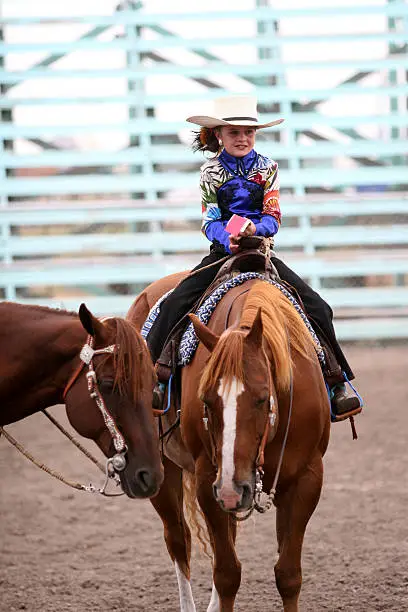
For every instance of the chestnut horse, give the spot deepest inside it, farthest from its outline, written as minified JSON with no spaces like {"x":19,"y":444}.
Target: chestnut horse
{"x":46,"y":358}
{"x":253,"y":402}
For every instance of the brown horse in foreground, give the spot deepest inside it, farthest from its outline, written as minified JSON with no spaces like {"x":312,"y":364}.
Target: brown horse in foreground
{"x":255,"y":360}
{"x":41,"y":364}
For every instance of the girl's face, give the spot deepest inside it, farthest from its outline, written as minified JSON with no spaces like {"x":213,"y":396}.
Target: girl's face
{"x":237,"y":140}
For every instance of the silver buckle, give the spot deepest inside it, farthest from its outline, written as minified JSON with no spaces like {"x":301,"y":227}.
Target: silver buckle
{"x":86,"y":354}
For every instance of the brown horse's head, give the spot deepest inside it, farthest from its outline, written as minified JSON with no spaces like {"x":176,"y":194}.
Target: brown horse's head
{"x":248,"y":367}
{"x":125,"y":379}
{"x":237,"y":392}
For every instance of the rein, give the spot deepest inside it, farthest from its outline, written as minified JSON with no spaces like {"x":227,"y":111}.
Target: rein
{"x":74,"y":485}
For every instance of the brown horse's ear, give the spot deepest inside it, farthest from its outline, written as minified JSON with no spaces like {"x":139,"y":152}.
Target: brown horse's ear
{"x":89,"y":322}
{"x":204,"y":334}
{"x":255,"y":333}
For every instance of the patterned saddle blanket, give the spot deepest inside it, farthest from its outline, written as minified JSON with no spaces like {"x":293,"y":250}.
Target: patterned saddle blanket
{"x":189,"y":340}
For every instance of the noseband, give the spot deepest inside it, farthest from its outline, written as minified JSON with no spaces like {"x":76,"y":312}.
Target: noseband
{"x":118,"y":461}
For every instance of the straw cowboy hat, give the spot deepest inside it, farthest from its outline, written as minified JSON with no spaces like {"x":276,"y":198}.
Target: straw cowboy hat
{"x":233,"y":110}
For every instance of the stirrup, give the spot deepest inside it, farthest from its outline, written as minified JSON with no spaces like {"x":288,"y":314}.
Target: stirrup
{"x":354,"y":409}
{"x":337,"y":418}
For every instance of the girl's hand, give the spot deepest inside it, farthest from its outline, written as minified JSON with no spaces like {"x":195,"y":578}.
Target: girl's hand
{"x":234,"y":243}
{"x":249,"y":230}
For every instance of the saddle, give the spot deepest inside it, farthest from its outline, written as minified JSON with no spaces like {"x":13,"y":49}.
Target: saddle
{"x":254,"y":256}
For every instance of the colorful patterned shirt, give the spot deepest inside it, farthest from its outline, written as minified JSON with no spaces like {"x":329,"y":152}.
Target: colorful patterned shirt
{"x":247,"y":186}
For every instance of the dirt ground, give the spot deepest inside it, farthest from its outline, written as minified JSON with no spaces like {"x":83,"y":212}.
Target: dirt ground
{"x":67,"y":550}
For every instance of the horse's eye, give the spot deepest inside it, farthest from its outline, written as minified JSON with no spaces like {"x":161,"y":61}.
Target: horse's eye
{"x":261,"y":401}
{"x":106,"y":385}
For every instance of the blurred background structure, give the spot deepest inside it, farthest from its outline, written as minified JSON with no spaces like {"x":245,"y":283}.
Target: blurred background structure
{"x":99,"y":189}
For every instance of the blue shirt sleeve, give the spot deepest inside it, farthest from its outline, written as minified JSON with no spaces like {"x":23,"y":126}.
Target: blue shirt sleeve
{"x":215,"y":232}
{"x":267,"y":226}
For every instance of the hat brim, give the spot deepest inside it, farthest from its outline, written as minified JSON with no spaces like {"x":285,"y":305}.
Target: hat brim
{"x":213,"y":122}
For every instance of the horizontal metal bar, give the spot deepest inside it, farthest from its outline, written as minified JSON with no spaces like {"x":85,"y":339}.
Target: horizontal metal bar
{"x":59,"y":213}
{"x":138,"y":242}
{"x":120,"y":183}
{"x":216,"y":67}
{"x":104,"y":211}
{"x":264,"y":68}
{"x":172,"y":154}
{"x":264,"y":94}
{"x":359,"y":298}
{"x":142,"y":45}
{"x":379,"y":329}
{"x":366,"y":297}
{"x":140,"y":18}
{"x":102,"y":184}
{"x":91,"y":271}
{"x":385,"y":328}
{"x":190,"y":241}
{"x":100,"y":270}
{"x":298,"y":121}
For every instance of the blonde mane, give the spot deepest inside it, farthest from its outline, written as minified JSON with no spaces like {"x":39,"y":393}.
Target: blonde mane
{"x":280,"y":323}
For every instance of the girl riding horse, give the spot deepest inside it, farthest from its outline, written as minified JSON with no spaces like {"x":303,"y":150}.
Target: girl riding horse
{"x":238,"y":180}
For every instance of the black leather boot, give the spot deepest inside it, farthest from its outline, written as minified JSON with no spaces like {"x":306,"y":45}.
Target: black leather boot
{"x":158,"y":396}
{"x":343,"y":402}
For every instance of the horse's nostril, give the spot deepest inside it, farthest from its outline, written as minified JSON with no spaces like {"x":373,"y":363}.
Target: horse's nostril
{"x":215,"y":491}
{"x":145,"y":479}
{"x":246,"y":492}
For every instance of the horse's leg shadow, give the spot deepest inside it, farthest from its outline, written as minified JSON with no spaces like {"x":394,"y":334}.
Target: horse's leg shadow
{"x":169,"y":505}
{"x":222,"y":531}
{"x":294,"y":507}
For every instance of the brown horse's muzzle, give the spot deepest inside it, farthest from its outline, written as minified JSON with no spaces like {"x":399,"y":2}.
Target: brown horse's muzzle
{"x":237,"y":497}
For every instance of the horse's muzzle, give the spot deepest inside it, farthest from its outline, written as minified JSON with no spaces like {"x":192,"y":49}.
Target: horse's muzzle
{"x":143,"y":483}
{"x":237,"y":497}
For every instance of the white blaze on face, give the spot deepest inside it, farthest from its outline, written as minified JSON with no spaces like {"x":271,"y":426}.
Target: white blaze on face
{"x":229,"y":398}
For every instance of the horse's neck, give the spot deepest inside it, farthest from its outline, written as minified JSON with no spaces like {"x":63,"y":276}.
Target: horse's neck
{"x":37,"y":357}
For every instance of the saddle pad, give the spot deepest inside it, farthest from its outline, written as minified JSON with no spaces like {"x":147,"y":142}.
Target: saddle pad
{"x":153,"y":314}
{"x":189,"y":340}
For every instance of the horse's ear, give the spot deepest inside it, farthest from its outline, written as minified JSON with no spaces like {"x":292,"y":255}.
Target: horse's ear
{"x":255,"y":333}
{"x":89,"y":322}
{"x":204,"y":334}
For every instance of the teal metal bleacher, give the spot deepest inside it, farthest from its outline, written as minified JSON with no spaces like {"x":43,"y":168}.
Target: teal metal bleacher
{"x":96,"y":224}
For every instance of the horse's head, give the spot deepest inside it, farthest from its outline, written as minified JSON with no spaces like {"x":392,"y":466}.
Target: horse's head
{"x":239,"y":398}
{"x":112,"y":403}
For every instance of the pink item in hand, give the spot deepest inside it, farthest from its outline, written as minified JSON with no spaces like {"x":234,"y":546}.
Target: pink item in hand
{"x":237,"y":224}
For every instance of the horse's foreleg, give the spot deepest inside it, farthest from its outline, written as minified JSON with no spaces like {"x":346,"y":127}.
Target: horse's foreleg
{"x":294,"y":508}
{"x":169,"y":505}
{"x":222,"y":532}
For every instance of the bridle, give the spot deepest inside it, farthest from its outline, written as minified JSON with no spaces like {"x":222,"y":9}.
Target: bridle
{"x":118,"y":461}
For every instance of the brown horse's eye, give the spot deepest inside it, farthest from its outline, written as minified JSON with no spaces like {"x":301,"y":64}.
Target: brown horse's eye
{"x":261,"y":401}
{"x":106,"y":385}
